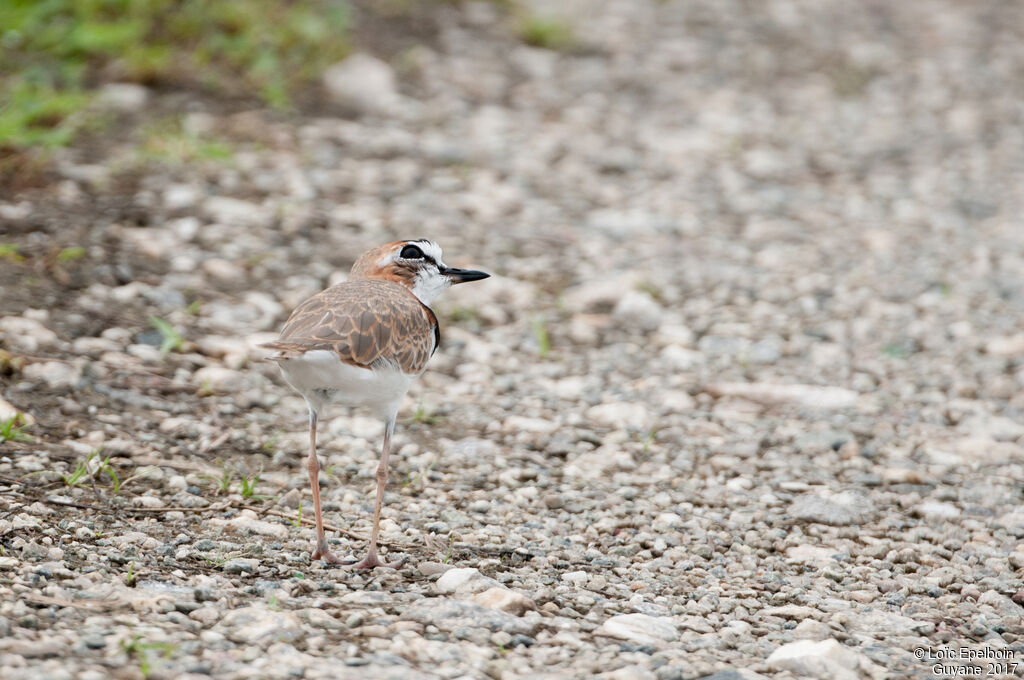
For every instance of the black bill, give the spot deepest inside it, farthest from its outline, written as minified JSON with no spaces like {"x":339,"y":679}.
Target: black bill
{"x":463,"y":275}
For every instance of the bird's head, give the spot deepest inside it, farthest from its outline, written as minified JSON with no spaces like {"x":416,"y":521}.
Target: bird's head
{"x":415,"y":264}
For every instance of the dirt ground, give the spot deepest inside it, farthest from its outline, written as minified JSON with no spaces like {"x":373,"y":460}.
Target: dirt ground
{"x":742,"y":399}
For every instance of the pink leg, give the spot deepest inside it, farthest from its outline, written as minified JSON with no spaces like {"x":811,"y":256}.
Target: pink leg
{"x":371,"y":561}
{"x":313,"y":465}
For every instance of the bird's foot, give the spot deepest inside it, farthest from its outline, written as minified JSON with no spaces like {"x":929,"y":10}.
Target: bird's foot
{"x":371,"y":561}
{"x":321,"y":552}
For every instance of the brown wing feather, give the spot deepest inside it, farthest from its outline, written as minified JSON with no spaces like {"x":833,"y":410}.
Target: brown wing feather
{"x":366,"y":322}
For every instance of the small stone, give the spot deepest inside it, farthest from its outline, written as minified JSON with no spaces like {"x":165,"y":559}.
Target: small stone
{"x":505,"y":600}
{"x":577,"y":578}
{"x":431,"y":568}
{"x":206,"y":615}
{"x":839,"y":509}
{"x":56,"y":374}
{"x":638,"y":311}
{"x":1006,"y":346}
{"x":464,"y":581}
{"x":123,"y":97}
{"x":639,"y":628}
{"x":735,"y":674}
{"x":734,"y":632}
{"x":241,"y":565}
{"x":791,"y":611}
{"x":809,"y":554}
{"x":937,"y":511}
{"x":809,"y":629}
{"x":631,"y":672}
{"x":23,"y":334}
{"x":178,"y":196}
{"x":827,"y":660}
{"x":448,"y":614}
{"x":667,"y":521}
{"x":620,"y":415}
{"x":362,"y":83}
{"x":292,"y":499}
{"x":770,"y":394}
{"x":8,"y":411}
{"x":257,"y":625}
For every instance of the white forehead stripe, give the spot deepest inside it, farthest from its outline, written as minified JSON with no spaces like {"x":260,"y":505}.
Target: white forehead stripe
{"x":430,"y":248}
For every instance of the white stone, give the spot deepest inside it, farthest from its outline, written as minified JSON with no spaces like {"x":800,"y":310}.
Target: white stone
{"x":505,"y":600}
{"x":809,"y":629}
{"x":638,"y":310}
{"x":770,"y":394}
{"x":123,"y":97}
{"x":247,"y":523}
{"x":223,"y":270}
{"x":466,"y":580}
{"x":809,"y":554}
{"x":639,"y":628}
{"x":56,"y":374}
{"x":840,"y":509}
{"x":827,"y":660}
{"x":8,"y":411}
{"x":178,"y":196}
{"x":257,"y":625}
{"x":734,"y":632}
{"x":937,"y":511}
{"x":1006,"y":346}
{"x":667,"y":521}
{"x":23,"y":334}
{"x":620,"y":415}
{"x":632,"y":672}
{"x":364,"y":84}
{"x":524,"y":424}
{"x":971,"y":450}
{"x":599,"y":462}
{"x":680,"y":358}
{"x":577,"y":578}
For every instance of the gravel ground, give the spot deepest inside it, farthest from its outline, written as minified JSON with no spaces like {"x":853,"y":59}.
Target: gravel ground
{"x":742,"y":400}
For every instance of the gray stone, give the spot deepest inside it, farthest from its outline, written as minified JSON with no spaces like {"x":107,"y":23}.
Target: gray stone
{"x":448,"y":614}
{"x":840,"y":509}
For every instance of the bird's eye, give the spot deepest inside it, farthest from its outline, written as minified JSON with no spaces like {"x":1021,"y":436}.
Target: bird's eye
{"x":412,"y":253}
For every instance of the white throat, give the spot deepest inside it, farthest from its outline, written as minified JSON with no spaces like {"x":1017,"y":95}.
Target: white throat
{"x":430,"y":284}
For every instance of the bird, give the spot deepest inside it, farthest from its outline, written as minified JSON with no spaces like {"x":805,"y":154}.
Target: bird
{"x":363,"y":343}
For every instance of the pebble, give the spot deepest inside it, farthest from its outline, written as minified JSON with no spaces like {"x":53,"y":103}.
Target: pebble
{"x":448,"y":614}
{"x":362,"y":83}
{"x":24,"y":334}
{"x":123,"y":97}
{"x":464,"y":581}
{"x":257,"y":625}
{"x":825,"y":659}
{"x":807,"y":396}
{"x":639,"y":628}
{"x":840,"y":509}
{"x":505,"y":600}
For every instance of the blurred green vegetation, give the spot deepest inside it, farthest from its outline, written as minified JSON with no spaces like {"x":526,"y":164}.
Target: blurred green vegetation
{"x":548,"y":32}
{"x":170,"y":141}
{"x":54,"y":54}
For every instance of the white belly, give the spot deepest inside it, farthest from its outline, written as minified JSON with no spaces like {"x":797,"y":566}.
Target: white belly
{"x":322,"y":378}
